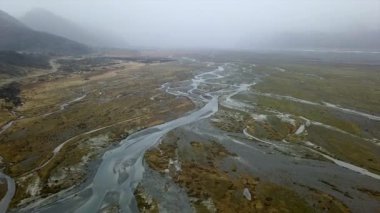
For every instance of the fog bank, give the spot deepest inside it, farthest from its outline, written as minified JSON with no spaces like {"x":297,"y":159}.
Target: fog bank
{"x":223,"y":23}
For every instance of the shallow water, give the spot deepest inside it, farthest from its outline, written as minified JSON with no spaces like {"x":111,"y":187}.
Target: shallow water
{"x":11,"y":189}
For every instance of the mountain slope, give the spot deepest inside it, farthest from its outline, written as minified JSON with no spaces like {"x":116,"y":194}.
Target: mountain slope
{"x":16,"y":36}
{"x":46,"y":21}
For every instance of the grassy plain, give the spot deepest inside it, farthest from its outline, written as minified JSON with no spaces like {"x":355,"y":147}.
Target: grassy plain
{"x":349,"y":86}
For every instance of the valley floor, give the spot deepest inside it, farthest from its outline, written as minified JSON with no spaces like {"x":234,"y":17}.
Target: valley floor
{"x":195,"y":133}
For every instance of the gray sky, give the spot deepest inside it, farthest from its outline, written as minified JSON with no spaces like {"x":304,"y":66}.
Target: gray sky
{"x":208,"y":23}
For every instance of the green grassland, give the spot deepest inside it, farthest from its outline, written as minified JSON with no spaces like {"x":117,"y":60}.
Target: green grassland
{"x":355,"y":87}
{"x":315,"y":113}
{"x":347,"y":148}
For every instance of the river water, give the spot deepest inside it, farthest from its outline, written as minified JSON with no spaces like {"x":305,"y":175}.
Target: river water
{"x":4,"y":202}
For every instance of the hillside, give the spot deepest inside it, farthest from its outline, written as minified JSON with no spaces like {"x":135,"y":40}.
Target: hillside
{"x":46,"y":21}
{"x":13,"y":63}
{"x":16,"y":36}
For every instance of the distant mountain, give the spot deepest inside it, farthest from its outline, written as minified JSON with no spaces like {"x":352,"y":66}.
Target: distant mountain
{"x":14,"y":35}
{"x":46,"y":21}
{"x":360,"y":39}
{"x":355,"y":39}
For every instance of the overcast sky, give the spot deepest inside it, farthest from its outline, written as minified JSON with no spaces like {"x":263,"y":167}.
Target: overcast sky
{"x":208,"y":23}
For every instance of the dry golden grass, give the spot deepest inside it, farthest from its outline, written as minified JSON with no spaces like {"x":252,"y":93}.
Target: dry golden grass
{"x":118,"y":102}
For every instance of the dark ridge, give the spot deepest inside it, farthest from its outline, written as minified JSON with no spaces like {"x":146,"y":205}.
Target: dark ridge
{"x":10,"y":93}
{"x":24,"y":60}
{"x":14,"y":63}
